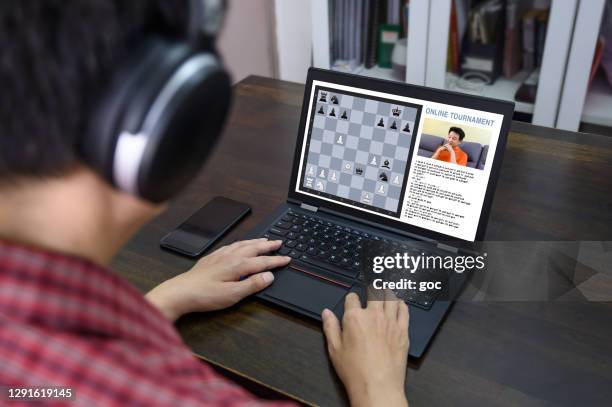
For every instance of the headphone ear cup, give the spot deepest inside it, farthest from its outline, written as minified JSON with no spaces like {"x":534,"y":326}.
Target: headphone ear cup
{"x":97,"y":147}
{"x":183,"y":126}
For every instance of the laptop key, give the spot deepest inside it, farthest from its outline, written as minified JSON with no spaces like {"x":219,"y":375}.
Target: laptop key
{"x":277,"y":231}
{"x":301,"y":247}
{"x":282,"y":225}
{"x":284,"y":251}
{"x":290,"y":243}
{"x":327,"y":266}
{"x":294,"y":254}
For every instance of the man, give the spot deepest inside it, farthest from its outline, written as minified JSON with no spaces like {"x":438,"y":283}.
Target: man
{"x":65,"y":319}
{"x":450,"y":151}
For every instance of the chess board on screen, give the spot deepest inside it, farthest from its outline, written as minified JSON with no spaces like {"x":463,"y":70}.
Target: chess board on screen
{"x":358,"y":149}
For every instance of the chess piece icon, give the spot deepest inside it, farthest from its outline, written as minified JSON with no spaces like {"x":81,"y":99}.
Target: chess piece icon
{"x":359,"y":170}
{"x":311,"y":171}
{"x":320,"y":186}
{"x":393,"y":126}
{"x":308,"y":182}
{"x":322,"y":173}
{"x":386,"y":165}
{"x":381,"y":123}
{"x":382,"y":177}
{"x":381,"y":189}
{"x":334,"y":176}
{"x":396,"y":180}
{"x":334,"y":100}
{"x":396,"y":111}
{"x":333,"y":112}
{"x":344,"y":116}
{"x":347,"y":166}
{"x":373,"y":162}
{"x":321,"y":111}
{"x":340,"y":141}
{"x":407,"y":128}
{"x":323,"y":97}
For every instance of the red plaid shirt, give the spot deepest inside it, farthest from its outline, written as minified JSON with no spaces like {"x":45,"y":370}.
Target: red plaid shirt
{"x":65,"y":321}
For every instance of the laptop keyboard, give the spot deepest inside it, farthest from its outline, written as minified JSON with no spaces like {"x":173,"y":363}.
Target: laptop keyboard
{"x":321,"y":243}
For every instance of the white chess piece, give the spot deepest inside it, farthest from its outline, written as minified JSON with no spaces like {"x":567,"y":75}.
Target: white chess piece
{"x":340,"y":140}
{"x":347,"y":166}
{"x":396,"y":180}
{"x":311,"y":171}
{"x":381,"y":189}
{"x":373,"y":162}
{"x":320,"y":185}
{"x":334,"y":177}
{"x":322,"y":173}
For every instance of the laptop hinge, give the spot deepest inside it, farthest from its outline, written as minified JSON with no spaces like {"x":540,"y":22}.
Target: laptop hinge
{"x":447,"y":248}
{"x":308,"y":207}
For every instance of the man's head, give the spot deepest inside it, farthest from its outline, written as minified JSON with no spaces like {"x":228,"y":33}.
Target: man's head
{"x":455,"y":136}
{"x":57,"y":59}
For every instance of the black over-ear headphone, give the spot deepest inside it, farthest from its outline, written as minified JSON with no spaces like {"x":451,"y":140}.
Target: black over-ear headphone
{"x":163,"y":112}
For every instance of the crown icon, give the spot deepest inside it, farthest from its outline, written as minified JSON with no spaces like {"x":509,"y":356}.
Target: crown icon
{"x":323,"y":93}
{"x":396,"y":112}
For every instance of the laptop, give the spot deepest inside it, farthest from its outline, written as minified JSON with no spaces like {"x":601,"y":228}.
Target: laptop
{"x":372,"y":165}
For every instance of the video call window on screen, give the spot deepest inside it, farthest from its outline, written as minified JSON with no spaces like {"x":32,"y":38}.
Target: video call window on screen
{"x":358,"y":149}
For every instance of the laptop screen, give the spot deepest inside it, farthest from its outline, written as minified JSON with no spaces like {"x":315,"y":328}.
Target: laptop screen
{"x":419,"y":162}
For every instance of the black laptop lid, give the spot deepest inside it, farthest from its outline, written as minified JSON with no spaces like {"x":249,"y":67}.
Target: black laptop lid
{"x":419,"y":160}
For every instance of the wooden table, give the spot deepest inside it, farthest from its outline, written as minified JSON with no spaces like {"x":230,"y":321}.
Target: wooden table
{"x":554,"y":185}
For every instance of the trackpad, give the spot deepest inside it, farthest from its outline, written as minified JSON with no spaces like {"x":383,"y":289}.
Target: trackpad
{"x":306,"y":292}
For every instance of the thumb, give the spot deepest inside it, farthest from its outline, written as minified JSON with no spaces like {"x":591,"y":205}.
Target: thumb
{"x":331,"y":328}
{"x":254,"y":283}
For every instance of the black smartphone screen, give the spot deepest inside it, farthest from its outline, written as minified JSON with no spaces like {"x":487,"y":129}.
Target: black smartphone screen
{"x":206,"y":226}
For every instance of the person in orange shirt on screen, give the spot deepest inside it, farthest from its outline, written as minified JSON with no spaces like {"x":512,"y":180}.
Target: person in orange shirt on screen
{"x":450,"y":151}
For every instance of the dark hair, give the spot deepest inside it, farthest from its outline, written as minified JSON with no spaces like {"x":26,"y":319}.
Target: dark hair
{"x":459,"y":131}
{"x":56,"y":58}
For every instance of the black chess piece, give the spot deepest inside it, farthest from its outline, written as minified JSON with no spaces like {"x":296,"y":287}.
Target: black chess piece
{"x":382,"y":177}
{"x":381,"y":123}
{"x":344,"y":116}
{"x":393,"y":125}
{"x":407,"y":128}
{"x":321,"y":110}
{"x":323,"y":97}
{"x":334,"y":100}
{"x":359,"y":171}
{"x":333,"y":113}
{"x":385,"y":164}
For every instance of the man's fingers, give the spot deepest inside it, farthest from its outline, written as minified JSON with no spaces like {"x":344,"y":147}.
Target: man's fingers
{"x":236,"y":245}
{"x":403,"y":315}
{"x":253,"y":284}
{"x":253,"y":265}
{"x":391,"y":305}
{"x":331,"y":328}
{"x":256,"y":247}
{"x":351,"y":301}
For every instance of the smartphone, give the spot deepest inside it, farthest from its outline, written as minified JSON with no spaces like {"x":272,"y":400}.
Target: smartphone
{"x":194,"y":236}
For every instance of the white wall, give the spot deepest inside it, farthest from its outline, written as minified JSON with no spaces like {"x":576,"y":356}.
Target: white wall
{"x":247,"y":41}
{"x":293,"y":38}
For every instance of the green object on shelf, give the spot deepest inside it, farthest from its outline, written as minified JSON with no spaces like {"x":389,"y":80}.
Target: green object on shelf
{"x":388,"y":34}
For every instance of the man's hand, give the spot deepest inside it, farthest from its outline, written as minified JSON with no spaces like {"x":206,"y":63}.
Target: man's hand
{"x":214,"y":282}
{"x":370,"y":351}
{"x":448,"y":147}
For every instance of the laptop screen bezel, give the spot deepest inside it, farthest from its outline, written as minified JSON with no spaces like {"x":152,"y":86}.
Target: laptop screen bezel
{"x":504,"y":108}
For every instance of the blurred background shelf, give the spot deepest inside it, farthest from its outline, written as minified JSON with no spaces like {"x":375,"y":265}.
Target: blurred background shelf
{"x":502,"y":89}
{"x":563,"y":97}
{"x":598,"y":103}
